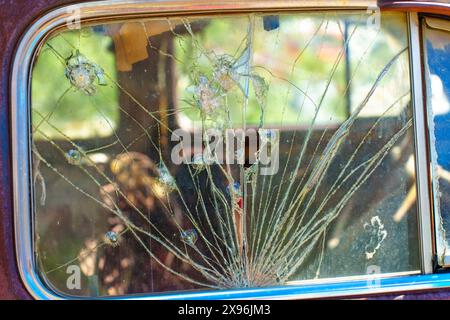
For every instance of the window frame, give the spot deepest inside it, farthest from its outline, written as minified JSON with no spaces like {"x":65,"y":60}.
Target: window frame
{"x":114,"y":9}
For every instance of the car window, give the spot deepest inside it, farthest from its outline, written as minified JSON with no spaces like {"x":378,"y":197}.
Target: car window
{"x":223,"y":151}
{"x":436,"y":42}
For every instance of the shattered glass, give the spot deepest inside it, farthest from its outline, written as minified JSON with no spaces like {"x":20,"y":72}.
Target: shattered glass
{"x":437,"y":58}
{"x":320,"y":185}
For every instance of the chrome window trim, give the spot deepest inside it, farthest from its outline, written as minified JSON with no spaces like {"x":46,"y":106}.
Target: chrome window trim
{"x":420,"y":130}
{"x":20,"y":118}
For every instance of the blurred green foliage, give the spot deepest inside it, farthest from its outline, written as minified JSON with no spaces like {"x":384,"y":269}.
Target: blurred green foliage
{"x":273,"y":55}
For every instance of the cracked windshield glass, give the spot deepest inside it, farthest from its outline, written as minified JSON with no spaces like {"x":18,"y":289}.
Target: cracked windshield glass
{"x":217,"y":152}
